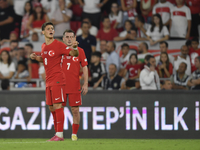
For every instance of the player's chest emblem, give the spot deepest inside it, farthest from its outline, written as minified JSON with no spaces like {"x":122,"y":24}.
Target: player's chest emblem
{"x":75,"y":59}
{"x":51,"y":53}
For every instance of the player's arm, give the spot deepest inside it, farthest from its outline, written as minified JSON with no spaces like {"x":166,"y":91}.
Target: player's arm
{"x":84,"y":89}
{"x":33,"y":56}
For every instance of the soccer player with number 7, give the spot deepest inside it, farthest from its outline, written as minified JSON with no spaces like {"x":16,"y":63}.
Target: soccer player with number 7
{"x":51,"y":55}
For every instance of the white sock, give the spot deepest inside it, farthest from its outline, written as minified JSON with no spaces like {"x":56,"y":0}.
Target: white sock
{"x":73,"y":134}
{"x":59,"y":134}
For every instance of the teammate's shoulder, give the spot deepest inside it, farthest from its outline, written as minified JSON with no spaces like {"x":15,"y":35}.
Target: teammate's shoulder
{"x":80,"y":49}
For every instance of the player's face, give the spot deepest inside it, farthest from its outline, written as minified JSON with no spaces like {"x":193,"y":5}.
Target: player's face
{"x":125,"y":50}
{"x":163,"y":47}
{"x":48,"y":31}
{"x":103,"y":46}
{"x":69,"y":38}
{"x":184,"y":51}
{"x":133,"y":60}
{"x":163,"y":58}
{"x":128,"y":26}
{"x":195,"y":45}
{"x":156,"y":20}
{"x":152,"y":61}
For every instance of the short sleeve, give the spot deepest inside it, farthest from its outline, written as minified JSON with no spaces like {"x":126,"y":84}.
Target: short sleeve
{"x":148,"y":31}
{"x":93,"y":41}
{"x":64,"y":50}
{"x":83,"y":58}
{"x":165,"y":30}
{"x":188,"y":14}
{"x":154,"y":10}
{"x":119,"y":17}
{"x":12,"y":67}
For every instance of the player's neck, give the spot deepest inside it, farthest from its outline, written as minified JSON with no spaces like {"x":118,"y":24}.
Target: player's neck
{"x":180,"y":5}
{"x":49,"y":40}
{"x":96,"y":63}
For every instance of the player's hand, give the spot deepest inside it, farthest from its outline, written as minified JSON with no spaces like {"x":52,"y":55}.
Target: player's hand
{"x":84,"y":89}
{"x":75,"y":44}
{"x":33,"y":56}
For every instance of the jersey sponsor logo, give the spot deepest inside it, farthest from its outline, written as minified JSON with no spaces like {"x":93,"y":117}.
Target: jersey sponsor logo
{"x":68,"y":57}
{"x":45,"y":52}
{"x":57,"y":98}
{"x":77,"y":102}
{"x":75,"y":59}
{"x":51,"y":53}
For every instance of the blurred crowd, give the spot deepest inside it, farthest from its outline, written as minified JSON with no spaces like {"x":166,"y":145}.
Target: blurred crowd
{"x":106,"y":22}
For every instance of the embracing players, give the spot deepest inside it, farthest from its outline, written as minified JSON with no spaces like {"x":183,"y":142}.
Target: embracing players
{"x":52,"y":51}
{"x":71,"y":68}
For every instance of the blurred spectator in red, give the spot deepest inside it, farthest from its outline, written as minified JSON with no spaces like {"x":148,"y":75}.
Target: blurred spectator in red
{"x":194,"y":52}
{"x":116,"y":17}
{"x":184,"y":57}
{"x":13,"y":36}
{"x":87,"y":41}
{"x":128,"y":34}
{"x":37,"y":19}
{"x":164,"y":48}
{"x":27,"y":12}
{"x":106,"y":33}
{"x":164,"y":66}
{"x":180,"y":78}
{"x":97,"y":70}
{"x":76,"y":9}
{"x":141,"y":27}
{"x":129,"y":9}
{"x":22,"y":72}
{"x":92,"y":10}
{"x":92,"y":29}
{"x":166,"y":85}
{"x":124,"y":59}
{"x":180,"y":25}
{"x":157,"y":32}
{"x":163,"y":8}
{"x":61,"y":18}
{"x":103,"y":50}
{"x":7,"y":67}
{"x":146,"y":7}
{"x":194,"y":6}
{"x":194,"y":82}
{"x":143,"y":51}
{"x":7,"y":15}
{"x":133,"y":68}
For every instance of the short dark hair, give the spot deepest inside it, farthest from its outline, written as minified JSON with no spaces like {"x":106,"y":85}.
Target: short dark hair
{"x":148,"y":57}
{"x":21,"y":62}
{"x":105,"y":18}
{"x":5,"y":83}
{"x":29,"y":45}
{"x":124,"y":45}
{"x":113,"y":65}
{"x":188,"y":43}
{"x":140,"y":18}
{"x":68,"y":31}
{"x":146,"y":45}
{"x":98,"y":54}
{"x":195,"y":39}
{"x":46,"y":24}
{"x":88,"y":19}
{"x":20,"y":48}
{"x":164,"y":42}
{"x":84,"y":23}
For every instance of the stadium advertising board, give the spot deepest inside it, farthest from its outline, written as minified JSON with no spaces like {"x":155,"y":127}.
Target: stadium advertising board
{"x":105,"y":114}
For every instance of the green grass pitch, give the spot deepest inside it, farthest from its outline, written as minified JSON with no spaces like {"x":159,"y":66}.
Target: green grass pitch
{"x":100,"y":144}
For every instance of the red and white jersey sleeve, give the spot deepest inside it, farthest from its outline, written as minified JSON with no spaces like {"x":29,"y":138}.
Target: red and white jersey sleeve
{"x":180,"y":17}
{"x":164,"y":10}
{"x":71,"y":67}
